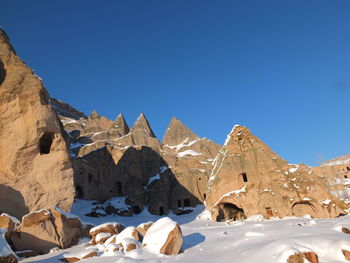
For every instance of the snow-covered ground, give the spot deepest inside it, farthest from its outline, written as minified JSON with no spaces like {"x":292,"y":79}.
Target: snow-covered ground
{"x":254,"y":240}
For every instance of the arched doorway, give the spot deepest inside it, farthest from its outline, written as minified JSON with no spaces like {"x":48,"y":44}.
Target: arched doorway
{"x":229,"y":211}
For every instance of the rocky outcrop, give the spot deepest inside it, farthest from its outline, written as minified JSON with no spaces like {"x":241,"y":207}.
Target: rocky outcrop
{"x":190,"y":158}
{"x":163,"y":237}
{"x":178,"y":133}
{"x":65,"y":110}
{"x":45,"y":229}
{"x":35,"y":169}
{"x":119,"y":127}
{"x":248,"y":178}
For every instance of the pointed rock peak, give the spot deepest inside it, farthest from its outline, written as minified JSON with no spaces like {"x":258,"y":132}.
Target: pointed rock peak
{"x":178,"y":133}
{"x":241,"y":140}
{"x":141,"y":125}
{"x":121,"y":125}
{"x":94,"y":115}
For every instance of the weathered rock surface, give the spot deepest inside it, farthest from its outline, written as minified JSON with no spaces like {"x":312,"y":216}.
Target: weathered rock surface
{"x":9,"y":223}
{"x":45,"y":229}
{"x":111,"y":228}
{"x":300,"y":257}
{"x":142,"y":228}
{"x":35,"y":169}
{"x":65,"y":110}
{"x":249,"y":178}
{"x":163,"y":237}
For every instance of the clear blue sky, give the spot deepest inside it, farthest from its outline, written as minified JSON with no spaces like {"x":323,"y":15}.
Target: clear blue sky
{"x":282,"y":68}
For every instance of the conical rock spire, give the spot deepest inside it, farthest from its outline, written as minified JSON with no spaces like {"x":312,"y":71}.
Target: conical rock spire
{"x":177,"y":133}
{"x":141,"y":125}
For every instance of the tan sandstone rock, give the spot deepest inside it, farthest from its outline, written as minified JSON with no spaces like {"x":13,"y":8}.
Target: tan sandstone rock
{"x":142,"y":228}
{"x":35,"y":169}
{"x":249,"y":178}
{"x":99,"y":233}
{"x":45,"y":229}
{"x":300,"y":257}
{"x":163,"y":237}
{"x":346,"y":254}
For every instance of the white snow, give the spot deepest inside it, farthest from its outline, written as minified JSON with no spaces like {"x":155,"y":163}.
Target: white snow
{"x":101,"y":226}
{"x":157,"y":234}
{"x":188,"y":152}
{"x":205,"y":241}
{"x":126,"y":233}
{"x":101,"y":236}
{"x":152,"y":179}
{"x":326,"y":202}
{"x":162,"y":169}
{"x":234,"y":192}
{"x":185,"y":143}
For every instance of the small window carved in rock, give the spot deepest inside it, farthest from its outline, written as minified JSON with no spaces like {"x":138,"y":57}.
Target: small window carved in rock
{"x":45,"y":143}
{"x":178,"y":203}
{"x":90,"y":178}
{"x":136,"y":209}
{"x":244,"y":177}
{"x":348,"y":168}
{"x":161,"y":211}
{"x":204,"y":196}
{"x":269,"y":213}
{"x":120,"y":188}
{"x":345,"y":176}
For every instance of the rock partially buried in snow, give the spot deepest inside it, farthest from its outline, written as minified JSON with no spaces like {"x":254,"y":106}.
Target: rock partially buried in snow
{"x":104,"y":231}
{"x":346,"y":254}
{"x":300,"y":257}
{"x":45,"y":229}
{"x":142,"y":228}
{"x":79,"y":256}
{"x":6,"y":253}
{"x":129,"y":244}
{"x":10,"y":223}
{"x":163,"y":237}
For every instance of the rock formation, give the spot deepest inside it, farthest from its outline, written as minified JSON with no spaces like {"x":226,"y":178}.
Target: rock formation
{"x":45,"y":229}
{"x":113,"y":160}
{"x":35,"y":169}
{"x":248,"y":178}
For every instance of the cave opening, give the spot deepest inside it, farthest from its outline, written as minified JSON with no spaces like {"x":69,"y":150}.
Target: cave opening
{"x":45,"y":143}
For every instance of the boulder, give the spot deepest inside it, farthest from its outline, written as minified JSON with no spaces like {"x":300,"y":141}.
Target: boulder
{"x":9,"y":223}
{"x":142,"y":228}
{"x":104,"y":231}
{"x":45,"y":229}
{"x":129,"y":244}
{"x":163,"y":237}
{"x":35,"y":166}
{"x":300,"y":257}
{"x":346,"y":254}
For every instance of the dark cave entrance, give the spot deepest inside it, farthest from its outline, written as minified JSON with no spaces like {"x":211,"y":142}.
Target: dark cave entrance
{"x":229,"y":211}
{"x":119,"y":188}
{"x":45,"y":143}
{"x":161,"y":211}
